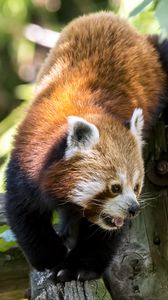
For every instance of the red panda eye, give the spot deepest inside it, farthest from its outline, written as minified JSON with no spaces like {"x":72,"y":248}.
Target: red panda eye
{"x":136,"y":188}
{"x":116,"y":189}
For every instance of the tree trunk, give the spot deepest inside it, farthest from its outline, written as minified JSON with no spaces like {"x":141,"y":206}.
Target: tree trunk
{"x":140,"y":269}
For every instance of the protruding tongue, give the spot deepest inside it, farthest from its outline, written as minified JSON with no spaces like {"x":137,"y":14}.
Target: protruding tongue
{"x":118,"y":221}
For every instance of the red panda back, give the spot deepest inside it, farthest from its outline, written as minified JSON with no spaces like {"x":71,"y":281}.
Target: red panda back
{"x":103,"y":53}
{"x":100,"y":65}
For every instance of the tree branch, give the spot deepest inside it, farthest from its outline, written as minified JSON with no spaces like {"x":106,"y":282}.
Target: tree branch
{"x":43,"y":288}
{"x":3,"y":219}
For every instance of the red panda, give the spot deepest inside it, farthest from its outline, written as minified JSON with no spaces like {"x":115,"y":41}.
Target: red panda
{"x":79,"y":148}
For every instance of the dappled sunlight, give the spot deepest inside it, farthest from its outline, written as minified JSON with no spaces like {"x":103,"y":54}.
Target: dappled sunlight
{"x":41,"y":36}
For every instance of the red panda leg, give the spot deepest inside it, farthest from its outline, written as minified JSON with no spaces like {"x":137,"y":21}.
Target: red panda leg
{"x":41,"y":245}
{"x":91,"y":256}
{"x":31,"y":223}
{"x":70,"y":217}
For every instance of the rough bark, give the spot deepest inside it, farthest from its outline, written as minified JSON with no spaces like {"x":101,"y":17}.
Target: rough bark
{"x":43,"y":288}
{"x":2,"y":209}
{"x":140,"y":269}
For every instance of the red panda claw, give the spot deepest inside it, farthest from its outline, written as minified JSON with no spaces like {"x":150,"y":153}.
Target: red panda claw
{"x":64,"y":275}
{"x":87,"y":275}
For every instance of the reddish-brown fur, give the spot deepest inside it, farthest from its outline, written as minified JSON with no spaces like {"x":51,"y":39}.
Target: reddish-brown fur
{"x":101,"y":69}
{"x":75,"y":152}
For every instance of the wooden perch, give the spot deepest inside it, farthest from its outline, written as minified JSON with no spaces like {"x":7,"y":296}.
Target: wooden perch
{"x":43,"y":288}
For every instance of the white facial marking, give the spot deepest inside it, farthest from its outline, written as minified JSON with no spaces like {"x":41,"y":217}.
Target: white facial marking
{"x":118,"y":206}
{"x":123,"y":177}
{"x":86,"y":190}
{"x":136,"y":124}
{"x":82,"y":136}
{"x":135,"y":177}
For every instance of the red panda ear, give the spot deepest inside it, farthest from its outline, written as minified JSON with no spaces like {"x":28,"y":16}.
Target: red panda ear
{"x":82,"y":135}
{"x":137,"y":123}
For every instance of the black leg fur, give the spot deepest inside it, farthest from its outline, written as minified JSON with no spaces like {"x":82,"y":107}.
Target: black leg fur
{"x":31,"y":225}
{"x":68,"y":228}
{"x":161,"y":46}
{"x":92,"y":254}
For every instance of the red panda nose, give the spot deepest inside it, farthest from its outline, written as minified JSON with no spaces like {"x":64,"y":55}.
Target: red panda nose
{"x":133,"y":209}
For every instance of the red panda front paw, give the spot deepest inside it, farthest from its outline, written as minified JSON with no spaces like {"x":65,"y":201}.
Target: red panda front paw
{"x":76,"y":271}
{"x":82,"y":275}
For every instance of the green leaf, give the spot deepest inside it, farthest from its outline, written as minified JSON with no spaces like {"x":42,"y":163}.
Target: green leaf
{"x":140,"y":8}
{"x":146,"y":23}
{"x":14,"y":117}
{"x":4,"y":245}
{"x":3,"y":228}
{"x":55,"y":218}
{"x":2,"y":176}
{"x":24,"y":91}
{"x":162,"y":14}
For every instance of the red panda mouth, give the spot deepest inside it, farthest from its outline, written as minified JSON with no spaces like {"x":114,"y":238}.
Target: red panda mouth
{"x":118,"y":221}
{"x":113,"y":222}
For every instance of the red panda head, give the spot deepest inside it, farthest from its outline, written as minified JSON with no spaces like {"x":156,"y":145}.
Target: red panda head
{"x":101,"y":170}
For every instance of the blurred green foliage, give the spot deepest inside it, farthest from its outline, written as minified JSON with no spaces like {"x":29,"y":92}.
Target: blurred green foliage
{"x":21,"y":57}
{"x":7,"y":240}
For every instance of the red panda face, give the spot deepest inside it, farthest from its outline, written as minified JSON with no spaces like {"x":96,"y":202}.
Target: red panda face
{"x":102,"y":169}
